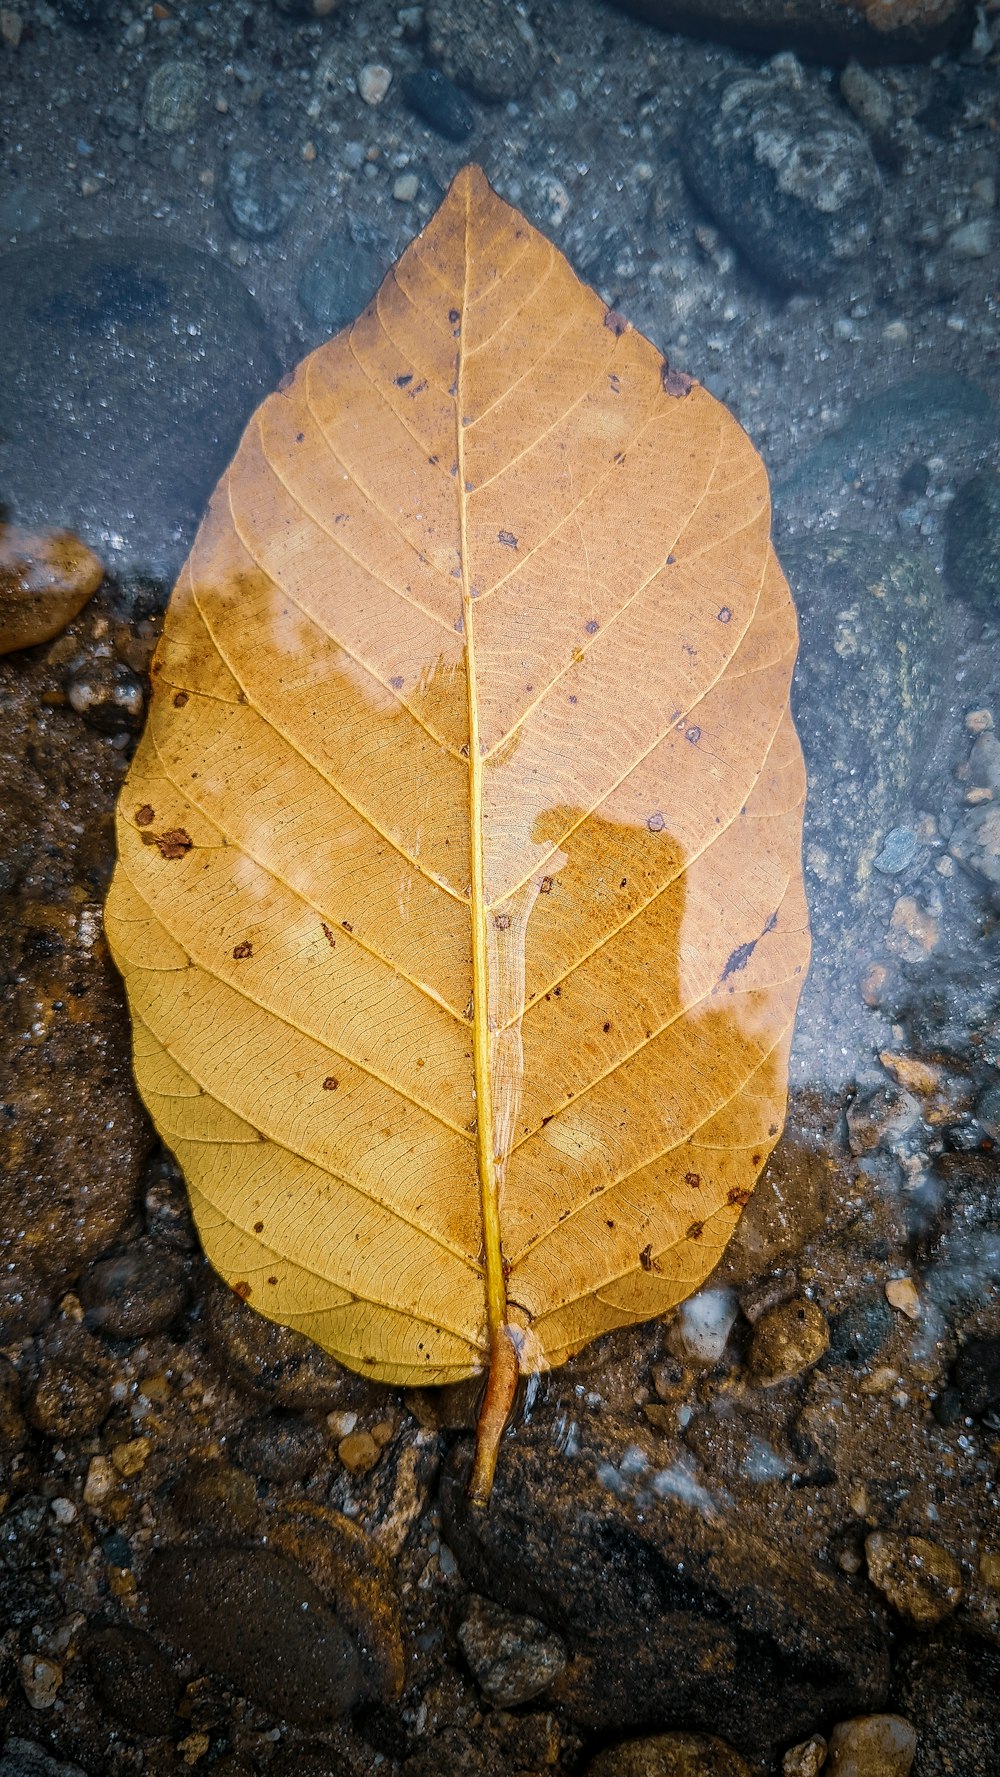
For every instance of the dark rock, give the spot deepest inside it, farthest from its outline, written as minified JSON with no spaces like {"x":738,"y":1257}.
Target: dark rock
{"x":136,"y":1294}
{"x":787,"y":175}
{"x":253,"y":1619}
{"x":216,"y":1496}
{"x":512,"y":1658}
{"x":681,"y":1616}
{"x":23,"y":1528}
{"x":828,"y":30}
{"x":127,"y":460}
{"x":342,"y":277}
{"x":433,"y":97}
{"x":259,"y":194}
{"x":45,"y":579}
{"x":73,"y":1137}
{"x":977,"y":1377}
{"x":25,"y":1758}
{"x":68,"y":1400}
{"x":670,"y":1755}
{"x":490,"y":48}
{"x":867,"y":689}
{"x":280,"y":1447}
{"x":355,"y":1577}
{"x":133,"y":1680}
{"x":269,"y":1361}
{"x":948,"y":1690}
{"x":860,"y":1332}
{"x":973,"y":542}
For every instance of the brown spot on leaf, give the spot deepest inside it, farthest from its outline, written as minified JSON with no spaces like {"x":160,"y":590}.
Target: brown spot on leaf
{"x":675,"y":382}
{"x":180,"y":699}
{"x":615,"y":323}
{"x":242,"y":1290}
{"x":507,"y":538}
{"x":143,"y":815}
{"x":693,"y":1179}
{"x":656,"y":823}
{"x":501,"y":921}
{"x":545,"y":886}
{"x":173,"y":844}
{"x":258,"y":1227}
{"x":740,"y":1196}
{"x":725,"y":615}
{"x":328,"y":935}
{"x":242,"y":951}
{"x":696,"y":1230}
{"x":647,"y":1260}
{"x":330,"y":1084}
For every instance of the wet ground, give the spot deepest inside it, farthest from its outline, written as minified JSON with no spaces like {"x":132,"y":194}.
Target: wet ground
{"x":779,"y":1511}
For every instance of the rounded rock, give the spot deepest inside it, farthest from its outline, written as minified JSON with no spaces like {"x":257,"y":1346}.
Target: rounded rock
{"x":341,"y":277}
{"x":921,"y":1580}
{"x":259,"y":194}
{"x":217,"y":1496}
{"x":871,"y":1746}
{"x":439,"y":102}
{"x":174,"y":97}
{"x":132,"y":1679}
{"x":68,"y":1401}
{"x":136,"y":1294}
{"x":251,"y":1617}
{"x":512,"y":1658}
{"x":356,"y":1579}
{"x":46,"y":578}
{"x":490,"y":48}
{"x":789,"y":177}
{"x":788,"y":1339}
{"x":670,"y":1755}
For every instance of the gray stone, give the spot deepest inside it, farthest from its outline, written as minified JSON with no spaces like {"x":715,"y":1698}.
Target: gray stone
{"x":173,"y":97}
{"x":868,"y":687}
{"x":972,"y":539}
{"x":259,"y":194}
{"x":681,"y":1613}
{"x":974,"y":240}
{"x":250,"y":1616}
{"x":489,"y":48}
{"x":940,"y":415}
{"x":23,"y":1758}
{"x":132,"y":367}
{"x":869,"y":99}
{"x":787,"y":175}
{"x":513,"y":1658}
{"x":342,"y":276}
{"x":898,"y":851}
{"x":975,"y":842}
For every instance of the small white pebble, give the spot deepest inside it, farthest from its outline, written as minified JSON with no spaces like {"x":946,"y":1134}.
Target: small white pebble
{"x":99,"y":1482}
{"x":374,"y":82}
{"x":341,"y":1424}
{"x":896,"y":332}
{"x":63,"y":1511}
{"x":978,"y":721}
{"x":406,"y":188}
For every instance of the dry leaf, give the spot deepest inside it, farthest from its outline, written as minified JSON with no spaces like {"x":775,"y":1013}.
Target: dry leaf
{"x":459,"y":897}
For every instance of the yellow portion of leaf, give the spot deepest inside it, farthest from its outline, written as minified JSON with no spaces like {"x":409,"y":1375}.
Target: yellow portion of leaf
{"x":459,"y":897}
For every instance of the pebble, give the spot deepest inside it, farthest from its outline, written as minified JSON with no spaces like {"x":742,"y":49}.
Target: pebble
{"x":977,"y":1375}
{"x":217,"y":1496}
{"x":974,"y":240}
{"x":46,"y":578}
{"x":100,"y":1481}
{"x":11,"y":26}
{"x":439,"y":102}
{"x":921,"y":1580}
{"x":975,"y":842}
{"x":136,"y":1294}
{"x":972,"y":542}
{"x":784,"y":172}
{"x":512,"y":1658}
{"x":868,"y":98}
{"x":806,"y":1759}
{"x":702,"y":1326}
{"x":374,"y":82}
{"x":902,"y":1293}
{"x":40,"y":1680}
{"x":358,"y":1452}
{"x":134,"y":1682}
{"x":678,"y":1754}
{"x":881,"y":1119}
{"x":898,"y":850}
{"x":280,"y":1447}
{"x":342,"y":277}
{"x":788,"y":1339}
{"x":405,"y":188}
{"x":490,"y":49}
{"x":174,"y":97}
{"x":913,"y":932}
{"x":251,"y":1617}
{"x":67,"y":1401}
{"x":260,"y":195}
{"x":108,"y":695}
{"x":130,"y":1458}
{"x":871,"y":1746}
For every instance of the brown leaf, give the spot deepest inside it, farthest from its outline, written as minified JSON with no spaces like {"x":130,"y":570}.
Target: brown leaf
{"x":472,"y":701}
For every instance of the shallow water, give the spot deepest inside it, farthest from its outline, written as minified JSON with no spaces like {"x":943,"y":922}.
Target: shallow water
{"x":690,"y":1516}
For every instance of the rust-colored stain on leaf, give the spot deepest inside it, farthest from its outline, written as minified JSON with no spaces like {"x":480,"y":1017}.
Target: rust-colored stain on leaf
{"x":474,"y":710}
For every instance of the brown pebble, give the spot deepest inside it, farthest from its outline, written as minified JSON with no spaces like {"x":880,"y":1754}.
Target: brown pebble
{"x":921,"y":1580}
{"x":358,"y":1452}
{"x":45,"y":579}
{"x":871,"y":1746}
{"x":787,"y":1339}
